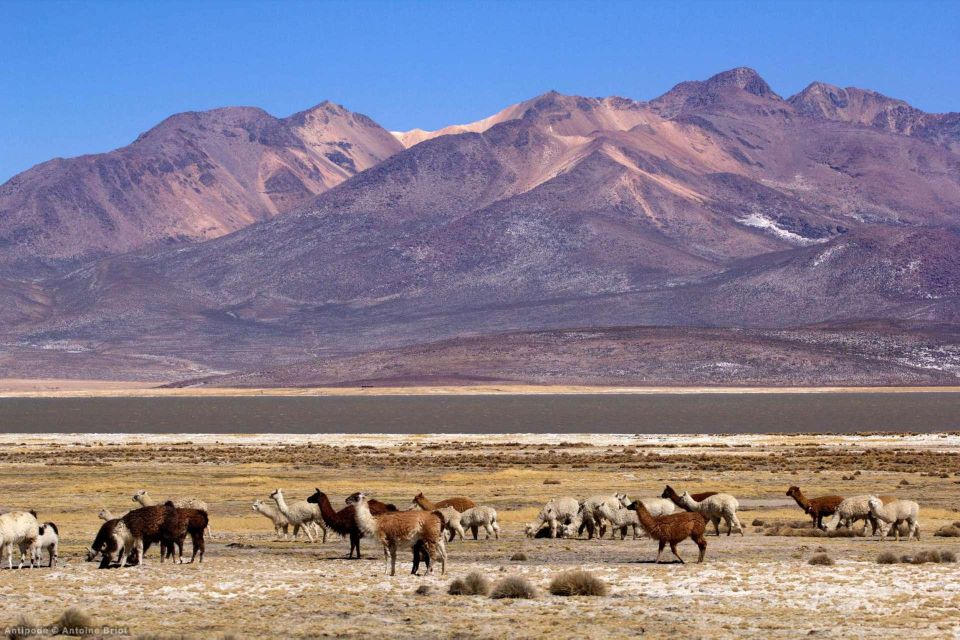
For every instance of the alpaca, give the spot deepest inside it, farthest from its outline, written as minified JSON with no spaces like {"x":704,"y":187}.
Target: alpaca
{"x":18,"y":528}
{"x":177,"y":524}
{"x":281,"y":525}
{"x":477,"y":517}
{"x":300,"y":514}
{"x":674,"y":497}
{"x":620,"y":519}
{"x":344,"y":521}
{"x":855,"y":508}
{"x":816,"y":508}
{"x":112,"y":538}
{"x":558,"y":511}
{"x":459,"y":503}
{"x":893,"y":513}
{"x":146,"y":500}
{"x":49,"y":541}
{"x":673,"y":529}
{"x":105,"y":515}
{"x":451,"y":522}
{"x":145,"y":527}
{"x":402,"y":528}
{"x":592,"y":520}
{"x":716,"y":507}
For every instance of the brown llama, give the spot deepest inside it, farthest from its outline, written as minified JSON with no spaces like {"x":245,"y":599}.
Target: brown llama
{"x":397,"y":529}
{"x":344,"y":521}
{"x":673,"y":529}
{"x":459,"y":503}
{"x":177,"y":525}
{"x":673,"y":496}
{"x":816,"y":508}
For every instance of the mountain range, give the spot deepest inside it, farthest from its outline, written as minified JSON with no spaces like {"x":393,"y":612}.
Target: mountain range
{"x":717,"y":234}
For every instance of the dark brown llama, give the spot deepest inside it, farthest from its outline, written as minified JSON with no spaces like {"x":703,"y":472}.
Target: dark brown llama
{"x":344,"y":521}
{"x":672,"y":495}
{"x":816,"y":508}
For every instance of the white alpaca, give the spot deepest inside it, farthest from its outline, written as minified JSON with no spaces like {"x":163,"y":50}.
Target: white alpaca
{"x":477,"y":517}
{"x":146,"y":500}
{"x":620,"y":519}
{"x":301,"y":514}
{"x":593,"y":519}
{"x":558,"y":511}
{"x":851,"y":510}
{"x":49,"y":541}
{"x":280,"y":522}
{"x":893,"y":513}
{"x":721,"y":506}
{"x":20,"y":529}
{"x":451,"y":522}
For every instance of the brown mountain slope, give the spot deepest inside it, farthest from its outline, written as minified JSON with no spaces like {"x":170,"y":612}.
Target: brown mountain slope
{"x":194,"y":176}
{"x":718,"y":205}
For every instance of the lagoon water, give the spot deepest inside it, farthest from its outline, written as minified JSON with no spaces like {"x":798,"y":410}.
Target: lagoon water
{"x":582,"y":413}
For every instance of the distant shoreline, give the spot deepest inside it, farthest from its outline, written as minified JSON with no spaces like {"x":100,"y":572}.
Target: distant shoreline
{"x":50,"y":388}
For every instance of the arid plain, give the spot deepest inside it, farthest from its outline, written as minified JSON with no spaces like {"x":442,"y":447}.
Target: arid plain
{"x":252,"y":585}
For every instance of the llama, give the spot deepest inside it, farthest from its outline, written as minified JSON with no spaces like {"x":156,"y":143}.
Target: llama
{"x":20,"y":529}
{"x":893,"y":513}
{"x":673,"y":529}
{"x":674,"y":497}
{"x":300,"y":514}
{"x":477,"y":517}
{"x":177,"y":525}
{"x":402,"y":528}
{"x":112,"y":538}
{"x":146,"y":500}
{"x":816,"y":508}
{"x":49,"y":541}
{"x":459,"y":503}
{"x":558,"y":511}
{"x":716,"y":507}
{"x":281,"y":525}
{"x":106,"y":515}
{"x":144,"y":526}
{"x":344,"y":521}
{"x":620,"y":519}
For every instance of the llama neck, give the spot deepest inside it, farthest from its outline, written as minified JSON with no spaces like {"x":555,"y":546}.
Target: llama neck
{"x":425,"y":504}
{"x":689,"y":502}
{"x":647,"y":521}
{"x":326,"y":509}
{"x":801,"y":500}
{"x":365,"y":520}
{"x":881,"y":513}
{"x":147,"y":501}
{"x":281,"y":504}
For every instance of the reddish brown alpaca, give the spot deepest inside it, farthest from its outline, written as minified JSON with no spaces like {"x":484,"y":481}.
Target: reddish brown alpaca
{"x":344,"y":521}
{"x":459,"y":503}
{"x":669,"y":493}
{"x":673,"y":529}
{"x":816,"y":508}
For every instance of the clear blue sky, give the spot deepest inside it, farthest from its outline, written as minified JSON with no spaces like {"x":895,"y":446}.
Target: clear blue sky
{"x":85,"y":77}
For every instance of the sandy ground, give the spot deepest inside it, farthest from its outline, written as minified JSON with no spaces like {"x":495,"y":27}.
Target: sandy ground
{"x":251,"y":585}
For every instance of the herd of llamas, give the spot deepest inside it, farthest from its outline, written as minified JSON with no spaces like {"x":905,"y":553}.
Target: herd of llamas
{"x":426,"y":527}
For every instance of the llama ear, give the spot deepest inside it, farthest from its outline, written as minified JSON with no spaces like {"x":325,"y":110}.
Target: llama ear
{"x":318,"y":490}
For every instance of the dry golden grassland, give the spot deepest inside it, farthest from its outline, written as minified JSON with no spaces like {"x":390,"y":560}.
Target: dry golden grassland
{"x":252,"y":585}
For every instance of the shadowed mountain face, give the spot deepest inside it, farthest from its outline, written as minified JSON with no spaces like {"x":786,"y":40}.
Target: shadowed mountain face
{"x":195,"y":176}
{"x":719,"y":206}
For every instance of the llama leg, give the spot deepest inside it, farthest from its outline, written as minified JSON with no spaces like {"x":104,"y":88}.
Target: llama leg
{"x":386,"y":559}
{"x":702,"y":544}
{"x":306,"y":529}
{"x":488,"y":529}
{"x":716,"y":525}
{"x":393,"y":560}
{"x":324,"y":534}
{"x":354,"y":544}
{"x":736,"y":521}
{"x":474,"y":529}
{"x":673,"y":548}
{"x":496,"y":530}
{"x":663,"y":543}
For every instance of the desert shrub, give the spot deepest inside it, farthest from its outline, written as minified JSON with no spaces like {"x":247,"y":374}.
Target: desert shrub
{"x":948,"y":556}
{"x":757,"y":522}
{"x":923,"y":557}
{"x":474,"y":584}
{"x":821,"y":560}
{"x":887,"y":558}
{"x":513,"y":587}
{"x":424,"y":590}
{"x":25,"y":624}
{"x":74,"y":622}
{"x":578,"y":583}
{"x":551,"y":481}
{"x":518,"y":557}
{"x":948,"y":531}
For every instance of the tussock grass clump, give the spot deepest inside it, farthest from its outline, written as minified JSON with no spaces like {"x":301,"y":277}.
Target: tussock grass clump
{"x":424,"y":590}
{"x":887,"y":557}
{"x":948,"y":531}
{"x":948,"y":556}
{"x":513,"y":587}
{"x":519,"y":557}
{"x":74,"y":622}
{"x":25,"y":627}
{"x":821,"y":560}
{"x":757,"y":522}
{"x":578,"y":583}
{"x":551,"y":481}
{"x":474,"y":584}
